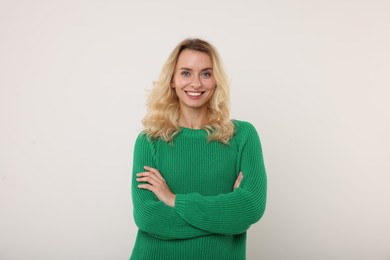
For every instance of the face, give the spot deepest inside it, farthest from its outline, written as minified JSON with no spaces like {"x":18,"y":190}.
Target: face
{"x":193,"y":80}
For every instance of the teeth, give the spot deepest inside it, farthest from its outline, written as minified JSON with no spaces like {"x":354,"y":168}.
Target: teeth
{"x":194,"y":94}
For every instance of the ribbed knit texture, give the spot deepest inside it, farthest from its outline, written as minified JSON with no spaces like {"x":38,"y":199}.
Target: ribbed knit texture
{"x":209,"y":220}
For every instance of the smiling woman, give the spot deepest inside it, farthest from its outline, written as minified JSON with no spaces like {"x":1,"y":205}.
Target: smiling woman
{"x":194,"y":84}
{"x":180,"y":71}
{"x":199,"y":179}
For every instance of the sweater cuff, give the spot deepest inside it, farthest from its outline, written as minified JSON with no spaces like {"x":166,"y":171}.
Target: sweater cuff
{"x":180,"y":204}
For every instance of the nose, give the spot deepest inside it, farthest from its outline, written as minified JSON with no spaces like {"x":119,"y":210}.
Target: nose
{"x":196,"y":83}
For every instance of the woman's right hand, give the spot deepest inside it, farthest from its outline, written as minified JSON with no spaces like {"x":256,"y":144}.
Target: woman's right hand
{"x":238,"y":181}
{"x":154,"y":182}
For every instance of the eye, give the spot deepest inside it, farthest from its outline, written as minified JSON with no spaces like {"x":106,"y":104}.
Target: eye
{"x":185,"y":73}
{"x":206,"y":74}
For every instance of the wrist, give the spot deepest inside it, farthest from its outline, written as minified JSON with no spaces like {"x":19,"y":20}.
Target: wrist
{"x":171,"y":202}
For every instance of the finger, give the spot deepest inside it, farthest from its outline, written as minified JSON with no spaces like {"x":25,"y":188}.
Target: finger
{"x":150,"y":169}
{"x":238,"y":181}
{"x":153,"y":180}
{"x":235,"y":184}
{"x":158,"y":175}
{"x":145,"y":174}
{"x":146,"y":179}
{"x":146,"y":187}
{"x":155,"y":171}
{"x":147,"y":167}
{"x":240,"y":177}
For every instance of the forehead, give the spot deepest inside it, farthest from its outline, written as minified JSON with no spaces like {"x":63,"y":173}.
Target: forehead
{"x":193,"y":59}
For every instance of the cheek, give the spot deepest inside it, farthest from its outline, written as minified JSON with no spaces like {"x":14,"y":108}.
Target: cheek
{"x":180,"y":81}
{"x":210,"y":85}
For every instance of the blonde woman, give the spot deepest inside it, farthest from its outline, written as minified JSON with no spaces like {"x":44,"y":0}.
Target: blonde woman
{"x":199,"y":180}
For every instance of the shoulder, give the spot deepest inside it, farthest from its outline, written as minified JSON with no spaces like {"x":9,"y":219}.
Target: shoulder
{"x":244,"y":131}
{"x":243,"y":126}
{"x":143,"y":140}
{"x":142,"y":137}
{"x":144,"y":146}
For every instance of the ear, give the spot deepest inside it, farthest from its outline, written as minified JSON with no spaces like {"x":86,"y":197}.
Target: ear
{"x":172,"y":84}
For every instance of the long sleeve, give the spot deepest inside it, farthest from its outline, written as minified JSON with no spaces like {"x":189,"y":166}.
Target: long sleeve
{"x":150,"y":214}
{"x":234,"y":212}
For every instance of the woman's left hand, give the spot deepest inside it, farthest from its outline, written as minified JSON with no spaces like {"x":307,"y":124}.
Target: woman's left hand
{"x":238,"y":181}
{"x":156,"y":184}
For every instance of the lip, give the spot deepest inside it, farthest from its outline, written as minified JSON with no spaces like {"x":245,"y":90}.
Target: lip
{"x":194,"y":94}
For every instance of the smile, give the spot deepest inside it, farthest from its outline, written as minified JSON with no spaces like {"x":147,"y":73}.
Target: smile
{"x":194,"y":94}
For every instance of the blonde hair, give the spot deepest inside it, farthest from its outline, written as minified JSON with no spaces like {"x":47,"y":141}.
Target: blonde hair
{"x":161,"y":120}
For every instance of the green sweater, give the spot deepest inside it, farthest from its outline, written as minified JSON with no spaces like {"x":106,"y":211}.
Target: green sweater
{"x":209,"y":219}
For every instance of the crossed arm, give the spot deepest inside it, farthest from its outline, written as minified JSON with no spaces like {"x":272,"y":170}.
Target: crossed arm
{"x":155,"y":182}
{"x":178,"y":216}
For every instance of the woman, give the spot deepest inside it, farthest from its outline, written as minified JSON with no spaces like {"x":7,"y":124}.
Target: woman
{"x":199,"y":179}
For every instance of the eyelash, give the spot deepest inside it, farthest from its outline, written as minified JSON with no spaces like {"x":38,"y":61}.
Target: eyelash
{"x":185,"y":73}
{"x":205,"y":74}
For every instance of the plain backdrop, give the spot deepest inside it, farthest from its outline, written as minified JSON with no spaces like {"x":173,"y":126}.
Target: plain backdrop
{"x":312,"y":76}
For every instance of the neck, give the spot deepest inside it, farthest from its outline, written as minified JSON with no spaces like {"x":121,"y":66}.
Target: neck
{"x":194,"y":119}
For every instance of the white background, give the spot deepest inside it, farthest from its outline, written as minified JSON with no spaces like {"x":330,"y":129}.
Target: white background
{"x":312,"y":76}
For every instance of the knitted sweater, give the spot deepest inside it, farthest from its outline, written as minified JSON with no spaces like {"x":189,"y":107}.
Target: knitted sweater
{"x":209,"y":219}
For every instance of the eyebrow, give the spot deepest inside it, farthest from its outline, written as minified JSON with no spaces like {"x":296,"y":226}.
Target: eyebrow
{"x":184,"y":68}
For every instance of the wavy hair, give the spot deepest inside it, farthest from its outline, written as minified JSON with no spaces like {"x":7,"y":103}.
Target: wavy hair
{"x":163,"y":109}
